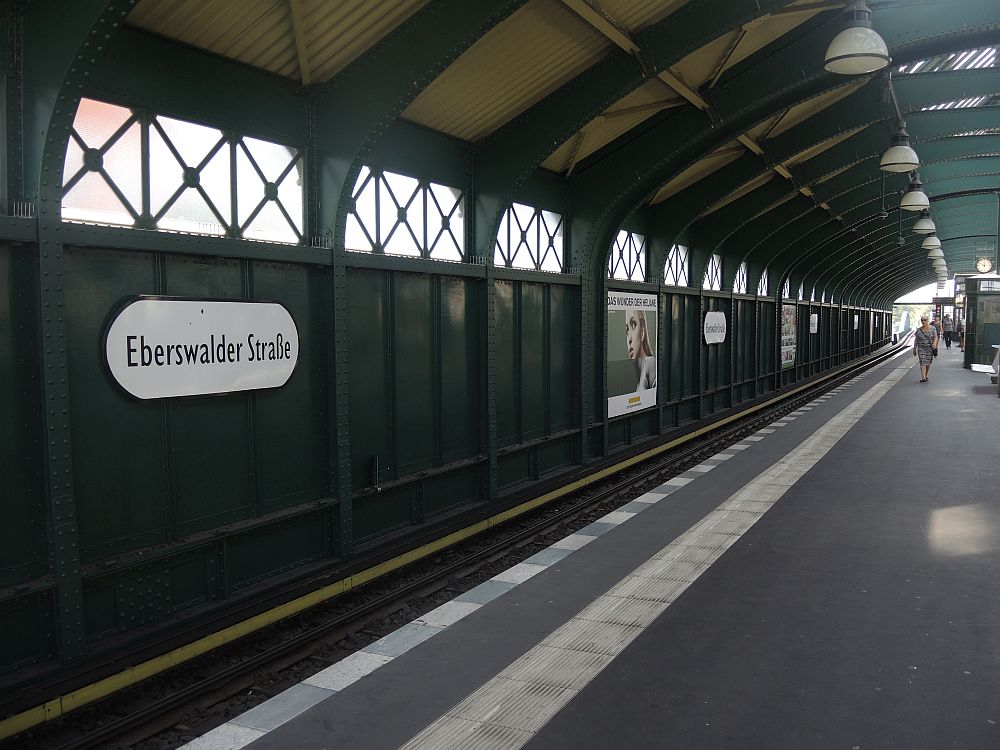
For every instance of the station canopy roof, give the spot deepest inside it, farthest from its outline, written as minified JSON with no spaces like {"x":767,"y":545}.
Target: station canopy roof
{"x":718,"y":112}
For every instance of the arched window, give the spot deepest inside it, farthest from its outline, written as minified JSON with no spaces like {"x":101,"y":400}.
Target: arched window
{"x":740,"y":282}
{"x":713,"y":274}
{"x":786,"y":290}
{"x":399,"y":215}
{"x":530,"y":238}
{"x":627,"y":260}
{"x":675,"y":270}
{"x":762,"y":285}
{"x":132,"y":168}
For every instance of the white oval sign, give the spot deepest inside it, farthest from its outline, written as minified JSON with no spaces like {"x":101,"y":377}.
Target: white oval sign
{"x":162,"y":347}
{"x":715,"y":327}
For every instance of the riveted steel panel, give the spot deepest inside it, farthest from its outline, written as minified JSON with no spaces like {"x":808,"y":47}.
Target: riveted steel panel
{"x":23,"y":532}
{"x":558,"y":453}
{"x":446,"y":491}
{"x":461,"y":302}
{"x":275,"y":548}
{"x":378,"y":514}
{"x":291,"y":446}
{"x":506,"y":347}
{"x":413,"y":353}
{"x":209,"y":437}
{"x":564,"y":356}
{"x":533,"y":356}
{"x":368,"y":305}
{"x":29,"y":634}
{"x":119,"y":444}
{"x":513,"y":469}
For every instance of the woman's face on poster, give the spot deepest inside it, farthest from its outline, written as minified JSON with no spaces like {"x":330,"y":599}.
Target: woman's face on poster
{"x":635,"y":331}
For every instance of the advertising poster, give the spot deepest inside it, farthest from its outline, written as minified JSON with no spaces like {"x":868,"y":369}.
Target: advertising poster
{"x":632,"y":320}
{"x":788,"y":336}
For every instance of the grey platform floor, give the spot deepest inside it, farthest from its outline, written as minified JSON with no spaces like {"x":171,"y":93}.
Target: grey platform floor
{"x":861,"y":610}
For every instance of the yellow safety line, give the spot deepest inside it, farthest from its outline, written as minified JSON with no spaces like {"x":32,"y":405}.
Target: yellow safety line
{"x":63,"y":704}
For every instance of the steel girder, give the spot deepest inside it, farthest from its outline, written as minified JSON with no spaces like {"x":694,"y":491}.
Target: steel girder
{"x":60,"y":53}
{"x":507,"y":158}
{"x":356,"y":108}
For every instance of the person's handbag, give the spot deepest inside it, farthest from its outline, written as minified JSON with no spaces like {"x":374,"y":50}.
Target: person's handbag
{"x":934,"y":351}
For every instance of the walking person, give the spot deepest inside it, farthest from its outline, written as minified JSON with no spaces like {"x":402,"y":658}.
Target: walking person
{"x":925,"y":341}
{"x":949,"y":330}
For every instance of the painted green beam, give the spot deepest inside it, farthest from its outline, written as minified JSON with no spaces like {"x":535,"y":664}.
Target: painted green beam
{"x":356,"y":107}
{"x":508,"y":157}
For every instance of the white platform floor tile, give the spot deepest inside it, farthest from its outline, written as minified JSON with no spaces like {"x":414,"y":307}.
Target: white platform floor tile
{"x":574,"y":541}
{"x":448,"y":613}
{"x":348,"y":670}
{"x":225,"y":737}
{"x":519,"y":573}
{"x":616,"y":516}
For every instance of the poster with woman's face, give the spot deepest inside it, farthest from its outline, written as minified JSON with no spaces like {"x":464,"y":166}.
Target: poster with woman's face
{"x":632,"y":320}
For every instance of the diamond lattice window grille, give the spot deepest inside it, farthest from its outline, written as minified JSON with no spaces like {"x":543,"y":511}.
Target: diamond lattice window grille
{"x":740,"y":282}
{"x":157,"y":172}
{"x":400,"y":215}
{"x":762,"y":284}
{"x":530,"y":238}
{"x":713,"y":274}
{"x":627,"y":259}
{"x":675,"y":270}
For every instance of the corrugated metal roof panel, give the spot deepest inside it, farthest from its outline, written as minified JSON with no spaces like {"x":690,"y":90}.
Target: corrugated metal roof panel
{"x":647,"y":100}
{"x":638,"y":14}
{"x":260,"y":32}
{"x":256,"y":32}
{"x":338,"y":33}
{"x":520,"y":61}
{"x":700,"y":170}
{"x":801,"y":112}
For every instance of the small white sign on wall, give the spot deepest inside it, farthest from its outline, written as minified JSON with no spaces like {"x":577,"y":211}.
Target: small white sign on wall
{"x":162,"y":347}
{"x":715,"y":327}
{"x":856,"y":318}
{"x":814,"y":323}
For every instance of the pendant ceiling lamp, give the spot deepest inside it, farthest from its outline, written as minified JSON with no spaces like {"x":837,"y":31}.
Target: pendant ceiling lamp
{"x":858,"y":48}
{"x":900,"y":157}
{"x":931,"y":242}
{"x":925,"y":224}
{"x":915,"y":198}
{"x":935,"y":253}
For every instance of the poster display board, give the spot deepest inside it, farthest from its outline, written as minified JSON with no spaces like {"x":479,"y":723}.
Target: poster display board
{"x":715,"y":327}
{"x":789,"y":336}
{"x":814,"y":323}
{"x":632,"y":321}
{"x":162,"y":347}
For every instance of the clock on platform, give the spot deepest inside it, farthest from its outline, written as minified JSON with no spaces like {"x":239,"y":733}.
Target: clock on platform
{"x":984,"y":265}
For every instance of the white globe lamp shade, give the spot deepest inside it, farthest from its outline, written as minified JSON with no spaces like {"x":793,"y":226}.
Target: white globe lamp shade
{"x":931,"y":242}
{"x":900,"y":157}
{"x":915,"y":199}
{"x":925,"y":224}
{"x":858,"y":49}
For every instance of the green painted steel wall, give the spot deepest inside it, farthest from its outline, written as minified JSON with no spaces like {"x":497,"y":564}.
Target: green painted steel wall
{"x":424,"y":389}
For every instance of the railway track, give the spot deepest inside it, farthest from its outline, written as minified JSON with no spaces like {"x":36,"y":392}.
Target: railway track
{"x":227,"y":683}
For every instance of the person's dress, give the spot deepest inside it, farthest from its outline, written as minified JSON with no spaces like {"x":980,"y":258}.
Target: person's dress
{"x":925,"y":346}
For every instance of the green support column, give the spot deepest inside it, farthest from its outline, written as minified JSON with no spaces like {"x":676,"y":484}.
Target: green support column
{"x":59,"y":52}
